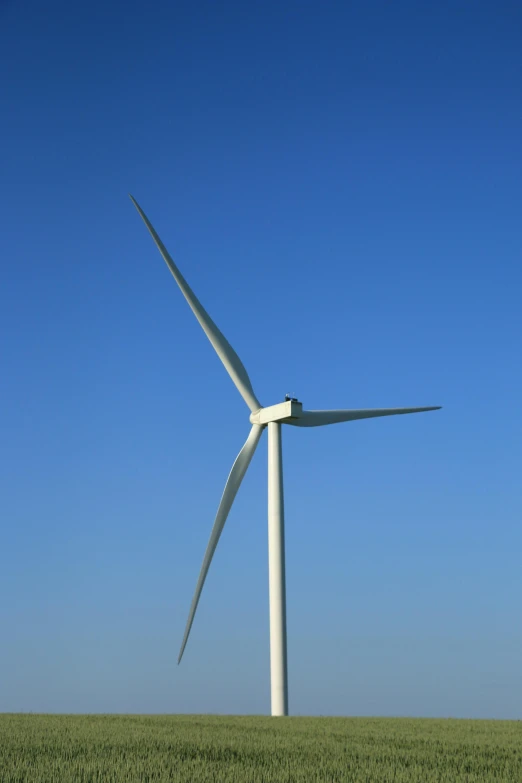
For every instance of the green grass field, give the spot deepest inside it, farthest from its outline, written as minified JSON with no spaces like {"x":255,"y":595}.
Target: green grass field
{"x":104,"y":749}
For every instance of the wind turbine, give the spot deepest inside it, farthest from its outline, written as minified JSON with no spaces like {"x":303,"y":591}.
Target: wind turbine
{"x":288,"y":412}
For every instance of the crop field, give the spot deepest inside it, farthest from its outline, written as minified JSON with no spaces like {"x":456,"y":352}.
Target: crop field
{"x":107,"y":748}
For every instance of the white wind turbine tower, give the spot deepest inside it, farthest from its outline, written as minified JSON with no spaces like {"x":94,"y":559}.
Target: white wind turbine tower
{"x":288,"y":412}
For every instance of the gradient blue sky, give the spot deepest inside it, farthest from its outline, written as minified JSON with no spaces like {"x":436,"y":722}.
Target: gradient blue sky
{"x":341,"y":185}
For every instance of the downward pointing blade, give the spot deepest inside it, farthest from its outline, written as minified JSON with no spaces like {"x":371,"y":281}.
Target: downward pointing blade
{"x":320,"y":418}
{"x":239,"y":468}
{"x":224,"y":350}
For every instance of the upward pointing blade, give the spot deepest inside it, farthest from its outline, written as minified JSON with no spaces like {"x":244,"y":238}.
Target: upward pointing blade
{"x":224,"y":350}
{"x":320,"y":418}
{"x":239,"y":468}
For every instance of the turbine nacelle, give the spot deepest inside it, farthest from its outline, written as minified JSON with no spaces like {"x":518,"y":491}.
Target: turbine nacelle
{"x":283,"y":412}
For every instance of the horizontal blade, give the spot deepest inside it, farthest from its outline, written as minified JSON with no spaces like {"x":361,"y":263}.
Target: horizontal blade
{"x":224,"y":350}
{"x":239,"y":468}
{"x":320,"y":418}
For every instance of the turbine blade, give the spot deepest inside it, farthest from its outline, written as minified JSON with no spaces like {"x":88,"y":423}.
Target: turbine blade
{"x":224,"y":350}
{"x":320,"y":418}
{"x":239,"y":468}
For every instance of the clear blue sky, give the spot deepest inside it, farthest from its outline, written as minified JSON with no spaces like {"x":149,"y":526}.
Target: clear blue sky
{"x":341,"y":185}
